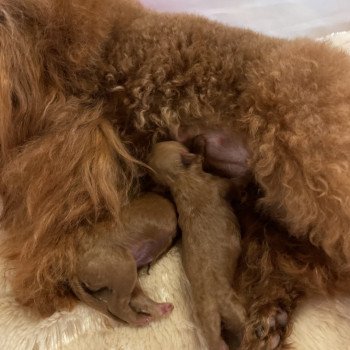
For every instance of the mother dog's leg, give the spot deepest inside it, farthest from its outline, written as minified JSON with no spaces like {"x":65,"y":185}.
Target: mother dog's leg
{"x":55,"y":187}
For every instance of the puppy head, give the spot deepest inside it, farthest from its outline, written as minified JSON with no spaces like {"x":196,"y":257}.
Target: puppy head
{"x":170,"y":159}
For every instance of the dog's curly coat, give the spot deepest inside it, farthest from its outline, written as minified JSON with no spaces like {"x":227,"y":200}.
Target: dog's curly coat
{"x":87,"y":86}
{"x":276,"y":272}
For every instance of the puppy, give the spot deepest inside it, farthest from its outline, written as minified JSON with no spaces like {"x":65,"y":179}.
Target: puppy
{"x":210,"y":237}
{"x":107,"y":266}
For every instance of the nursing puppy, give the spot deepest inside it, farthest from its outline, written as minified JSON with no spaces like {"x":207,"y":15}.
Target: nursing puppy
{"x":108,"y":261}
{"x":210,"y":237}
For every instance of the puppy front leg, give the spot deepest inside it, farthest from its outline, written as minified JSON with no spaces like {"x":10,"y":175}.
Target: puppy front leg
{"x":120,"y":305}
{"x":142,"y":303}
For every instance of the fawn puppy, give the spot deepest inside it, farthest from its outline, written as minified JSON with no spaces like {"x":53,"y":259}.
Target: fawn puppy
{"x":210,"y":237}
{"x":108,"y":261}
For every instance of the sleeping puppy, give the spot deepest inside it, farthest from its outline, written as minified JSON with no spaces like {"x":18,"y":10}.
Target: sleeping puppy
{"x":210,"y":237}
{"x":108,"y":260}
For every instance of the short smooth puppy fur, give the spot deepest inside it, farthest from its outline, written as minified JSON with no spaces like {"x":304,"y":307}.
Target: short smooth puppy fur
{"x":210,"y":237}
{"x":108,"y":261}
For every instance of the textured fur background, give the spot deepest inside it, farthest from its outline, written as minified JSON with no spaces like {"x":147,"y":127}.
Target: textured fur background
{"x":318,"y":325}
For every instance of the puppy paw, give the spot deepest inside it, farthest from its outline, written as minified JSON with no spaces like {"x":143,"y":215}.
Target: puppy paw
{"x":151,"y":308}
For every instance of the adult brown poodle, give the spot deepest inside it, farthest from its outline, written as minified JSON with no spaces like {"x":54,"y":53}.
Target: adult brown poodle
{"x":87,"y":86}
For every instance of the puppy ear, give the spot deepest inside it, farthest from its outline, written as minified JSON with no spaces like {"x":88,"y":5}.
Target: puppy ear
{"x":188,"y":159}
{"x":199,"y":144}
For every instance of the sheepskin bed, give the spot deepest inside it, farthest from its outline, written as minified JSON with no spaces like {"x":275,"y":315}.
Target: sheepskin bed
{"x":319,"y":324}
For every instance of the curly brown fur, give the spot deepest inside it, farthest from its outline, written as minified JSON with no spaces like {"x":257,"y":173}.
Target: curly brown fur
{"x":87,"y":86}
{"x":210,"y":237}
{"x":108,"y":260}
{"x":275,"y":273}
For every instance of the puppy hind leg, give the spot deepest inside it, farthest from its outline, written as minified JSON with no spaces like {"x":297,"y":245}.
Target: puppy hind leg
{"x":232,"y":312}
{"x":210,"y":321}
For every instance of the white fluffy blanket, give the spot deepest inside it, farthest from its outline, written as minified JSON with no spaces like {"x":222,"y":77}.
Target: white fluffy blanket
{"x":318,"y":324}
